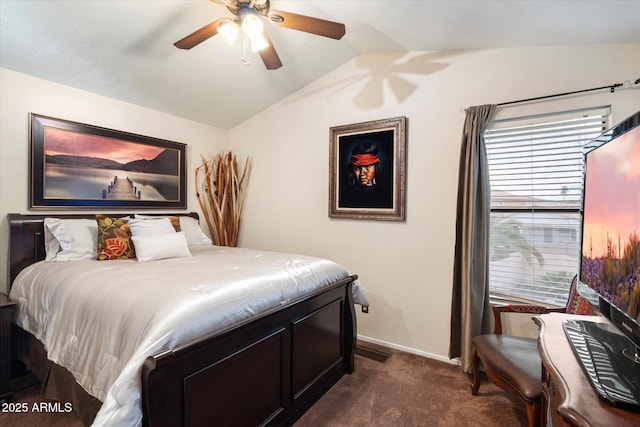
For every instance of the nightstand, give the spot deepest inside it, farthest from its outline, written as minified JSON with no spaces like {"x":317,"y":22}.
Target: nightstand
{"x":5,"y":346}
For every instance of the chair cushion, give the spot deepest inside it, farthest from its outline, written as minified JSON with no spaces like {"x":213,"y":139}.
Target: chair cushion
{"x":515,"y":359}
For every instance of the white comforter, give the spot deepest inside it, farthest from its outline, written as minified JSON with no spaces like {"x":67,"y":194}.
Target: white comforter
{"x":101,"y":319}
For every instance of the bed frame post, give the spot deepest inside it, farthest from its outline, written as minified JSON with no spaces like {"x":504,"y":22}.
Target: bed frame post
{"x":155,"y":411}
{"x":26,"y":241}
{"x":351,"y":329}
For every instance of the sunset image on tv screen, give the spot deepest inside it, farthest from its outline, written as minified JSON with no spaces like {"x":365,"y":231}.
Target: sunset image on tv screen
{"x":610,"y":241}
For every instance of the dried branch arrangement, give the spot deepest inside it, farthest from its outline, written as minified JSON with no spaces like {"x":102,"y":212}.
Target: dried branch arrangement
{"x":221,"y":189}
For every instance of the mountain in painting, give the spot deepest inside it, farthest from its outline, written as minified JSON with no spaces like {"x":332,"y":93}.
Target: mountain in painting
{"x":165,"y":163}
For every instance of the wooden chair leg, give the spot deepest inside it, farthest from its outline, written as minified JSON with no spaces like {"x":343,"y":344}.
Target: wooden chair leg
{"x":475,"y":369}
{"x":534,"y":414}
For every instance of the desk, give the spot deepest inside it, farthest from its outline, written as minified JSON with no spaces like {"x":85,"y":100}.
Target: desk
{"x":568,"y":399}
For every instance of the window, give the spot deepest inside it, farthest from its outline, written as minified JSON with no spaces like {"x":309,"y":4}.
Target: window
{"x":536,"y":168}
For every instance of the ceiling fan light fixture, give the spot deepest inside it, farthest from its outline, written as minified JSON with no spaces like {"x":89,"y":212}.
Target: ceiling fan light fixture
{"x":252,"y":25}
{"x":258,"y":42}
{"x":229,"y":31}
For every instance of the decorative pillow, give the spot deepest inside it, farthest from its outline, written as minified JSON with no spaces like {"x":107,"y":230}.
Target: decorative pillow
{"x":70,"y":239}
{"x":175,"y":221}
{"x":191,"y":229}
{"x":114,"y":238}
{"x":147,"y":227}
{"x":161,"y":246}
{"x":577,"y":304}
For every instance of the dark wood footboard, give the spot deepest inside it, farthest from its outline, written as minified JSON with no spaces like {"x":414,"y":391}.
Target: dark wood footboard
{"x":267,"y":372}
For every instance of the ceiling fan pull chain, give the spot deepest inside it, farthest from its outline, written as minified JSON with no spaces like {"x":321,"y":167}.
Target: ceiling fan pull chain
{"x":245,"y":50}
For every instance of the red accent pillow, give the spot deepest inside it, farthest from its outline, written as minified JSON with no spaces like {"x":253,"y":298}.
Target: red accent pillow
{"x":576,"y":304}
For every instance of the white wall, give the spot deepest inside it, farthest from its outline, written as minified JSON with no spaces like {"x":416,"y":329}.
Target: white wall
{"x":405,"y":267}
{"x":21,"y":94}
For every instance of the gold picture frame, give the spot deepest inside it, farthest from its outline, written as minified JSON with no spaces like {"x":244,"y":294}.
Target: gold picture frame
{"x":367,"y":170}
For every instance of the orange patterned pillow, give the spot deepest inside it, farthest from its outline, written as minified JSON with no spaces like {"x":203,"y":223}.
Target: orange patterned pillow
{"x":175,"y":221}
{"x":114,"y":238}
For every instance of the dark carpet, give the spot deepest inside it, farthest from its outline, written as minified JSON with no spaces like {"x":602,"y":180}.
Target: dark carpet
{"x":410,"y":390}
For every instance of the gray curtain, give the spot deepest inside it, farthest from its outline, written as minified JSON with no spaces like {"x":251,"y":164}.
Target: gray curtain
{"x":470,"y":311}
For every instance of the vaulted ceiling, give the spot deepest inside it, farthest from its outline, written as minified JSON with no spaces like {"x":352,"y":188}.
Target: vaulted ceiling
{"x":124,"y":49}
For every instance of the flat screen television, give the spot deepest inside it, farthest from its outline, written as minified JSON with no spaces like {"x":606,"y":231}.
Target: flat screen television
{"x":610,"y":265}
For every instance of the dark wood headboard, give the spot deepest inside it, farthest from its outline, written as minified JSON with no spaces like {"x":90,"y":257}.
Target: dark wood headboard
{"x":26,"y":236}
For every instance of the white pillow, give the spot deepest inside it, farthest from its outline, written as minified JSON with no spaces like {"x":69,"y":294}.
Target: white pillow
{"x":191,"y":229}
{"x":193,"y":232}
{"x":51,"y":244}
{"x":70,"y":239}
{"x":150,"y":227}
{"x":160,"y":246}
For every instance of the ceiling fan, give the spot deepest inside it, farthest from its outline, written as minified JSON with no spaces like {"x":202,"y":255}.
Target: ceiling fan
{"x":248,"y":19}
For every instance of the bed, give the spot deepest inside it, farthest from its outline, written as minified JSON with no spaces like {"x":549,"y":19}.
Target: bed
{"x":263,"y":367}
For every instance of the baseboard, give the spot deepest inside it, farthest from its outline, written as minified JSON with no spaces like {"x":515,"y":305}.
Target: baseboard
{"x":455,"y":361}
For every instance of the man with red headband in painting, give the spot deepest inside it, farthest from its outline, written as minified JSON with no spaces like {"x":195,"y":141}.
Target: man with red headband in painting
{"x":366,"y":186}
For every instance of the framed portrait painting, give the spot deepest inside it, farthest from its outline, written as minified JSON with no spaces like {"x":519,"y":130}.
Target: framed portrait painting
{"x":367,"y":170}
{"x":75,"y":165}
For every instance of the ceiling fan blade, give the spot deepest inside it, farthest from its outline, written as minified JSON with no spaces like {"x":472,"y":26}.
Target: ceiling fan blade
{"x":200,"y":35}
{"x":269,"y":55}
{"x":307,"y":24}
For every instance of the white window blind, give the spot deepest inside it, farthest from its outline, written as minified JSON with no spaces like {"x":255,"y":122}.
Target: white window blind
{"x":536,"y":171}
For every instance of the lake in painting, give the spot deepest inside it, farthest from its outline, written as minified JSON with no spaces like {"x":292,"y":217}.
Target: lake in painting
{"x":88,"y":183}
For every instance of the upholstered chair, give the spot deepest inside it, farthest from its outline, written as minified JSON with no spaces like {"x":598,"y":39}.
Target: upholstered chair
{"x":513,"y":363}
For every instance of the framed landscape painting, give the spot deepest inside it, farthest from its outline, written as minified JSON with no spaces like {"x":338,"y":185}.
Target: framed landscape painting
{"x":367,"y":170}
{"x":75,"y":165}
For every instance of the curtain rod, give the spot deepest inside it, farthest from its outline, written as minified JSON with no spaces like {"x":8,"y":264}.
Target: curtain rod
{"x":611,"y":87}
